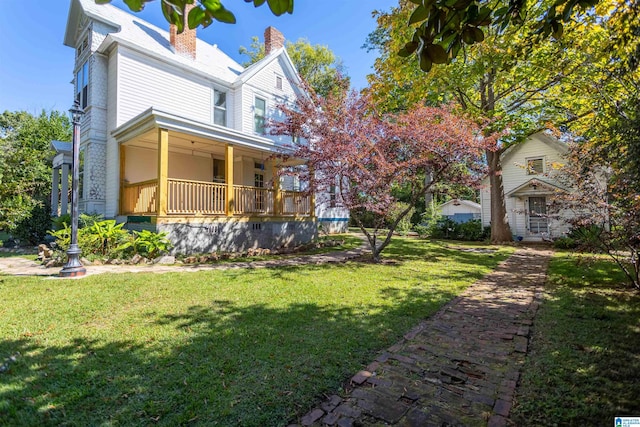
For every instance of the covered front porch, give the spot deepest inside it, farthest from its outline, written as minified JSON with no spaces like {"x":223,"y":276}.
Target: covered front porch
{"x":183,"y":176}
{"x":532,"y":220}
{"x":171,"y":173}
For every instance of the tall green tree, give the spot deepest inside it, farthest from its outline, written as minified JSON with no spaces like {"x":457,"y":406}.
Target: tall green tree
{"x":508,"y":83}
{"x":316,"y":64}
{"x":25,"y":162}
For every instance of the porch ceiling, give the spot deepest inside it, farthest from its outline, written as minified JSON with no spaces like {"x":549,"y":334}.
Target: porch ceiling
{"x":190,"y":144}
{"x":187,"y":134}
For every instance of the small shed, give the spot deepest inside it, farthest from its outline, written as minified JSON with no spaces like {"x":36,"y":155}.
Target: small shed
{"x":460,"y":210}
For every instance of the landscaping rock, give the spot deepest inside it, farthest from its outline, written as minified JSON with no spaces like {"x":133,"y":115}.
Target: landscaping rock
{"x":190,"y":260}
{"x":85,"y":261}
{"x":165,"y":260}
{"x":51,"y":263}
{"x":43,"y":252}
{"x":137,"y":258}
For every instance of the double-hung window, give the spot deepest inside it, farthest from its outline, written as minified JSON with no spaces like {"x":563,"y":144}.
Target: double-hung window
{"x":219,"y":107}
{"x":535,"y":166}
{"x":259,"y":114}
{"x":332,"y":196}
{"x":82,"y":85}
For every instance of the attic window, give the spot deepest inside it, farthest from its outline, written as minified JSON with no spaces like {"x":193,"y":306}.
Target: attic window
{"x":535,"y":166}
{"x":278,"y":82}
{"x":82,"y":46}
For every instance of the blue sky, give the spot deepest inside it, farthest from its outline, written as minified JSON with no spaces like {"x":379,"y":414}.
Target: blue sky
{"x":36,"y":68}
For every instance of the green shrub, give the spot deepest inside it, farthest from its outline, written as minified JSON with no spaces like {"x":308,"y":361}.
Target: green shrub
{"x":565,"y":243}
{"x":87,"y":220}
{"x":34,"y":228}
{"x":587,"y":237}
{"x":470,"y":230}
{"x":60,"y":221}
{"x":106,"y":239}
{"x":446,"y":228}
{"x":151,"y":244}
{"x":404,"y":226}
{"x":109,"y":238}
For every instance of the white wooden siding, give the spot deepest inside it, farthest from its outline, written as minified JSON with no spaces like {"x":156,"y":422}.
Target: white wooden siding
{"x":113,"y":155}
{"x":263,"y":85}
{"x":144,"y":82}
{"x":452,"y":209}
{"x":514,"y":174}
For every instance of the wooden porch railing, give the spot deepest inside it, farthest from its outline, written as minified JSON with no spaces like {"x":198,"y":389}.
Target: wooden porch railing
{"x":295,"y":203}
{"x":253,"y":200}
{"x":186,"y":197}
{"x":195,"y":197}
{"x":140,"y":197}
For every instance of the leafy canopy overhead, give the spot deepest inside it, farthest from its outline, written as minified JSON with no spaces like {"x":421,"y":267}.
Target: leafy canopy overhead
{"x":443,"y":27}
{"x":204,"y":12}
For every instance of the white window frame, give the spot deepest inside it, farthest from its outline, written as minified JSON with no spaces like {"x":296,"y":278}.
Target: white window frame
{"x":259,"y":122}
{"x":221,"y":108}
{"x":532,"y":159}
{"x":82,"y":85}
{"x":279,"y":82}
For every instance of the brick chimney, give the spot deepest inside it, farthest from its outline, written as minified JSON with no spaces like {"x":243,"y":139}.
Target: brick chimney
{"x":184,"y":43}
{"x":273,"y":40}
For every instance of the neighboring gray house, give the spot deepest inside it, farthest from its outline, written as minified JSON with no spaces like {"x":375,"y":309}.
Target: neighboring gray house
{"x":528,"y":171}
{"x":173,"y":137}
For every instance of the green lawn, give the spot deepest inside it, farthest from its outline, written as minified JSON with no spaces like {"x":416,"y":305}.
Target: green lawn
{"x":241,"y":347}
{"x":584,"y":368}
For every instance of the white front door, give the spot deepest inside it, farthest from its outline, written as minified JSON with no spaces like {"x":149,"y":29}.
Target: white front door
{"x":538,"y":220}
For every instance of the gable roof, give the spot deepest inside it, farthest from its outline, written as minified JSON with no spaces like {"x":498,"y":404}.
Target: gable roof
{"x":549,"y":140}
{"x":140,"y":35}
{"x":467,"y":203}
{"x":530,"y":187}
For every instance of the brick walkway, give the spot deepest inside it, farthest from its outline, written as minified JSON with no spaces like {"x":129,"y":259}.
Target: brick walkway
{"x":459,"y":367}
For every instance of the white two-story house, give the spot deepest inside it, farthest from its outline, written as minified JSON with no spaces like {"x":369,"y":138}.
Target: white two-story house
{"x":528,"y":171}
{"x":173,"y":134}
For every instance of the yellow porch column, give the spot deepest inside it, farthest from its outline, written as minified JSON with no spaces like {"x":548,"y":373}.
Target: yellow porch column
{"x":163,"y":172}
{"x":228,"y":179}
{"x":277,"y":195}
{"x":123,"y":203}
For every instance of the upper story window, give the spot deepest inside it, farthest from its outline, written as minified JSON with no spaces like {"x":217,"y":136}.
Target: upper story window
{"x":535,"y":166}
{"x":82,"y":84}
{"x":278,"y":82}
{"x":259,"y":114}
{"x":332,"y":196}
{"x":82,"y":47}
{"x":220,"y":108}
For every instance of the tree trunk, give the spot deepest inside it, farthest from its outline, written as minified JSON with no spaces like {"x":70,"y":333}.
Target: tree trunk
{"x":500,"y":231}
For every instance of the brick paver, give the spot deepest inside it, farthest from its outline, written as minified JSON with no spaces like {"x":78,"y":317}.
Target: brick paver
{"x":459,"y":367}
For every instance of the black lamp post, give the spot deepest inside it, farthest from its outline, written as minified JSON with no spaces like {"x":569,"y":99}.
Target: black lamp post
{"x":73,"y":267}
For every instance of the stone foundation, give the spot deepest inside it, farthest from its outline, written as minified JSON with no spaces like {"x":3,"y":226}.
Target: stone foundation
{"x":237,"y":236}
